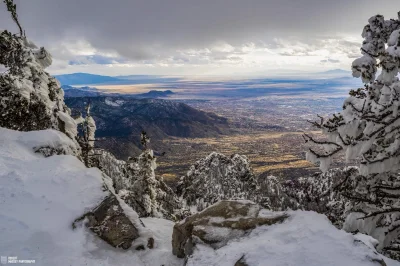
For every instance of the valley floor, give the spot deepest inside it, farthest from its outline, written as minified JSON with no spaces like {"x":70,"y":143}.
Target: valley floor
{"x":281,"y":154}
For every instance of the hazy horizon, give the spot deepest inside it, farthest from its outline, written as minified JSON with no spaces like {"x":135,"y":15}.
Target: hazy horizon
{"x":191,"y":38}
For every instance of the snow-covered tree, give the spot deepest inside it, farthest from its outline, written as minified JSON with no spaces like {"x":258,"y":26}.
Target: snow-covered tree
{"x":136,"y":183}
{"x":271,"y":194}
{"x":218,"y":177}
{"x":368,"y":129}
{"x":87,"y":139}
{"x":147,"y":193}
{"x":30,"y":99}
{"x":323,"y":193}
{"x":144,"y":140}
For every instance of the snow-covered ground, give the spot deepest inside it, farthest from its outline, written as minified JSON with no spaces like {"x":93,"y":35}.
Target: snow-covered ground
{"x":304,"y":239}
{"x":116,"y":103}
{"x":41,"y":197}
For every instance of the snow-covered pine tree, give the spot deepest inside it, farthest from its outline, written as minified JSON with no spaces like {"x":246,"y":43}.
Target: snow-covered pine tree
{"x":323,"y":193}
{"x":218,"y":177}
{"x":368,"y":129}
{"x":87,"y":139}
{"x":144,"y":140}
{"x":271,"y":195}
{"x":146,"y":181}
{"x":12,"y":8}
{"x":146,"y":193}
{"x":30,"y":99}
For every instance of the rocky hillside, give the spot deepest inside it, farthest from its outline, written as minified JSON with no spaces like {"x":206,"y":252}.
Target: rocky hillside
{"x":120,"y":120}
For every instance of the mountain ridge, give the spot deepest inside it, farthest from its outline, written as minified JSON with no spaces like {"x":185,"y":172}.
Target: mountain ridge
{"x":120,"y":121}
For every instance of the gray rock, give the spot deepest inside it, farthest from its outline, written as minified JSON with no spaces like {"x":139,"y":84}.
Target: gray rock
{"x":110,"y":223}
{"x":218,"y":224}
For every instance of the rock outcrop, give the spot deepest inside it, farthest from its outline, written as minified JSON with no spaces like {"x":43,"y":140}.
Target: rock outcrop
{"x":110,"y":223}
{"x":218,"y":224}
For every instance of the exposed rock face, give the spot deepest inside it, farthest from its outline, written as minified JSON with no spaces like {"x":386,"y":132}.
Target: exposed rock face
{"x":110,"y":223}
{"x":218,"y":177}
{"x":218,"y":224}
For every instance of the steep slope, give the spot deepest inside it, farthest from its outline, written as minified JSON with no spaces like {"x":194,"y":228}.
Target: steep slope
{"x":120,"y":120}
{"x":40,"y":199}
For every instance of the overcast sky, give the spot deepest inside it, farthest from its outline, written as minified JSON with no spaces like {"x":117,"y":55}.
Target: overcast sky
{"x":186,"y":37}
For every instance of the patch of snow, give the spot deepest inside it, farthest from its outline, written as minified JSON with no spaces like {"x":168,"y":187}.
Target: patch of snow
{"x":304,"y":239}
{"x":70,"y":124}
{"x":18,"y":145}
{"x":162,"y":253}
{"x":41,"y":197}
{"x":117,"y":103}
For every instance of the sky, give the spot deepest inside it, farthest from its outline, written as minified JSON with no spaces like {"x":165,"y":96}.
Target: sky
{"x":197,"y":37}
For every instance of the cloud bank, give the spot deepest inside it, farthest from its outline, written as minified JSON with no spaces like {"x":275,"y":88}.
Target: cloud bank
{"x":172,"y":36}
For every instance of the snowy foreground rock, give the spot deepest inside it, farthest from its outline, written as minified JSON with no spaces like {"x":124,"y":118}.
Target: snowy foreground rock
{"x":41,"y":197}
{"x":240,"y":233}
{"x":303,"y":239}
{"x":218,"y":224}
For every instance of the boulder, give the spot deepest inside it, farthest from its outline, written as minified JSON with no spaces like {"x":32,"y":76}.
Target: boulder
{"x":110,"y":223}
{"x":218,"y":224}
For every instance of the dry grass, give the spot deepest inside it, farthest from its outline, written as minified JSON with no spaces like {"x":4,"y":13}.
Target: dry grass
{"x":268,"y":152}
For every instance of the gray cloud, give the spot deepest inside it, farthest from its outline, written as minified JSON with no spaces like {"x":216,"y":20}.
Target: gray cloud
{"x":142,"y":30}
{"x":330,"y":60}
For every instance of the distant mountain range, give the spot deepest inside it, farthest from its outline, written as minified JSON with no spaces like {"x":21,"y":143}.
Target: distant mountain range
{"x":80,"y":92}
{"x":332,"y":83}
{"x":91,"y":79}
{"x":120,"y":120}
{"x":71,"y":92}
{"x":84,"y":79}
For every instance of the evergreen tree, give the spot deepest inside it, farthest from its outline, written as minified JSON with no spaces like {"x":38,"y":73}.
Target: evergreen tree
{"x":87,"y":139}
{"x":368,"y":129}
{"x":12,"y":8}
{"x":30,"y":99}
{"x":136,"y":183}
{"x":144,"y":140}
{"x":218,"y":177}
